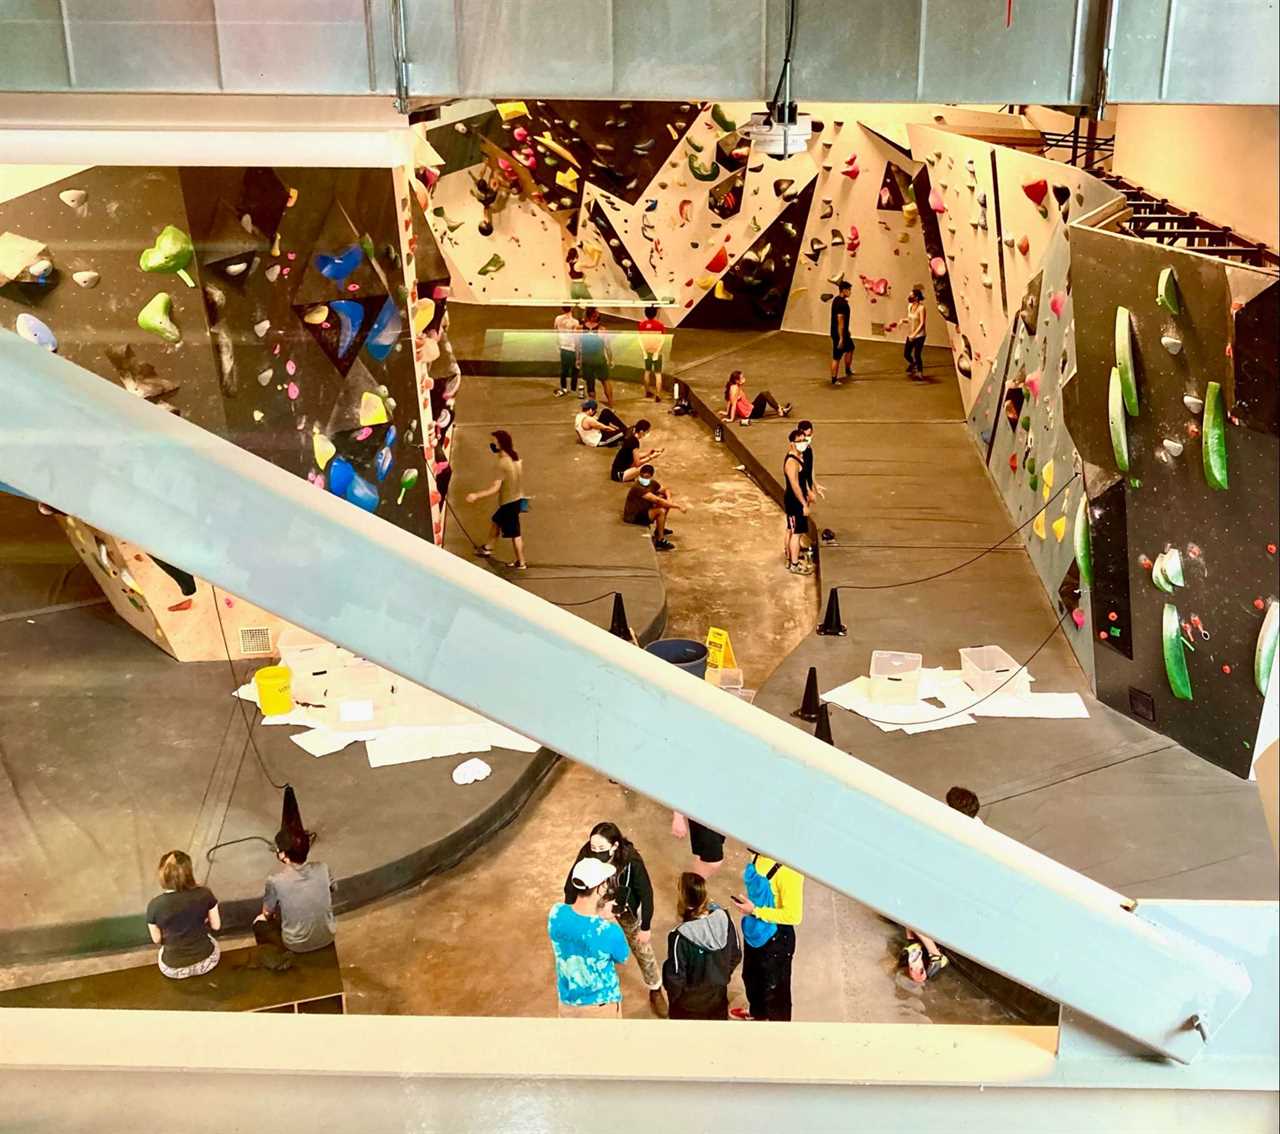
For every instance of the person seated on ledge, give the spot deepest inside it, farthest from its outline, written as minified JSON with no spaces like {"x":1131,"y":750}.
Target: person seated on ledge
{"x":648,"y":503}
{"x":922,"y":959}
{"x":738,"y":408}
{"x":179,"y":920}
{"x":628,"y":459}
{"x":297,"y":907}
{"x":597,"y":427}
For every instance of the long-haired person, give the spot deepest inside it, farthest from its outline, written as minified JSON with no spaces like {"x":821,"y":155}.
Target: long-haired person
{"x":702,"y":952}
{"x":632,"y":896}
{"x":180,"y":920}
{"x":509,"y":489}
{"x":744,"y":410}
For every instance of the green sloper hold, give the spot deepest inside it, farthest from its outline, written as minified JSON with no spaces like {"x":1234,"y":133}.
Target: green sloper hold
{"x":1115,"y":415}
{"x":171,"y":252}
{"x":1084,"y":544}
{"x":1167,"y":291}
{"x":701,"y":172}
{"x":1173,"y":567}
{"x":718,"y":116}
{"x":494,"y":263}
{"x":1175,"y":658}
{"x":1213,"y":442}
{"x":1264,"y":654}
{"x":1158,"y":575}
{"x":154,"y":318}
{"x":1124,"y":361}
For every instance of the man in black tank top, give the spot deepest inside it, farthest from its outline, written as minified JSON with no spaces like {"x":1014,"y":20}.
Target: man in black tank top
{"x":794,"y":501}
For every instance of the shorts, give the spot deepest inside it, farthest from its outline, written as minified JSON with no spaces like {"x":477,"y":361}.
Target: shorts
{"x":595,"y":371}
{"x":705,"y":843}
{"x":642,"y":520}
{"x":840,"y":349}
{"x":797,"y":524}
{"x":507,"y":517}
{"x":653,"y":363}
{"x":187,"y":971}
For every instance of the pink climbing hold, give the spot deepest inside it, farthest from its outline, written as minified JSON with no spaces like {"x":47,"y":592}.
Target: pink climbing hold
{"x":938,"y":266}
{"x":1036,"y":191}
{"x":520,"y":134}
{"x":1057,"y":302}
{"x":1077,"y":616}
{"x":935,"y":201}
{"x":364,"y":434}
{"x":293,"y":391}
{"x":854,"y":238}
{"x":1033,"y":383}
{"x":291,"y":368}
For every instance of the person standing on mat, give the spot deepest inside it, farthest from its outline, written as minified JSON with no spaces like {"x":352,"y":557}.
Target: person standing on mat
{"x":652,"y":332}
{"x":648,"y":504}
{"x":632,"y":902}
{"x":180,"y":920}
{"x":913,"y":350}
{"x":595,"y":356}
{"x":809,"y":485}
{"x":841,"y":335}
{"x":588,"y":943}
{"x":706,"y":845}
{"x":702,"y":952}
{"x":737,"y":407}
{"x":795,"y":503}
{"x":566,"y":325}
{"x":629,"y":459}
{"x":297,"y":906}
{"x":771,"y":909}
{"x":505,"y":522}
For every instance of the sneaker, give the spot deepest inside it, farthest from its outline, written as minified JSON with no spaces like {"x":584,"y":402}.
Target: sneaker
{"x":799,"y":569}
{"x":663,"y":545}
{"x":484,"y":552}
{"x":785,"y":411}
{"x":740,"y":1014}
{"x":848,"y":373}
{"x":518,"y":566}
{"x":744,"y":422}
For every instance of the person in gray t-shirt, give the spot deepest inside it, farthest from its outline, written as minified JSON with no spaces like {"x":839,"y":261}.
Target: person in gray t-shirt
{"x":297,"y":907}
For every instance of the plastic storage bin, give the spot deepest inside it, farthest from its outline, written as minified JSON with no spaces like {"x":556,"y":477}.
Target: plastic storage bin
{"x":895,"y":677}
{"x":987,"y":668}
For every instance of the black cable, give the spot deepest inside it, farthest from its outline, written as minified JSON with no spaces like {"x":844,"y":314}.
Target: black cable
{"x":786,"y":51}
{"x":449,"y":505}
{"x":587,"y":601}
{"x":208,"y":855}
{"x":958,"y":566}
{"x":969,"y":708}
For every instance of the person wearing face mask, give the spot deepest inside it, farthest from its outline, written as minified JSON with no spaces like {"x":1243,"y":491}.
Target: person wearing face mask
{"x":812,"y":490}
{"x":795,"y":503}
{"x":505,"y":522}
{"x":913,"y":351}
{"x":632,"y":895}
{"x":648,"y":503}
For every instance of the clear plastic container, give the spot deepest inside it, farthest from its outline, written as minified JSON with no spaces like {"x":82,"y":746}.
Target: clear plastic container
{"x":895,"y":677}
{"x":725,"y":678}
{"x":986,"y":669}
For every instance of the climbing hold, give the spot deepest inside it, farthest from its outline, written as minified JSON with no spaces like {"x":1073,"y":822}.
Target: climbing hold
{"x":782,"y":187}
{"x":1158,"y":575}
{"x":938,"y":266}
{"x":828,"y":209}
{"x":1172,"y":447}
{"x":1167,"y":291}
{"x":1077,"y":616}
{"x":1060,"y":528}
{"x":719,"y":261}
{"x":987,"y":280}
{"x":1214,"y":444}
{"x":1264,"y":652}
{"x":361,"y":493}
{"x":385,"y":331}
{"x":73,"y":198}
{"x":1084,"y":545}
{"x":1057,"y":301}
{"x":707,"y":282}
{"x":494,"y":263}
{"x":1038,"y":525}
{"x":373,"y":410}
{"x":86,"y":278}
{"x":1048,"y":473}
{"x":1171,"y":343}
{"x":1175,"y":658}
{"x":1024,"y":245}
{"x":292,"y":391}
{"x":703,"y":172}
{"x":273,"y":273}
{"x":1173,"y":567}
{"x":339,"y":267}
{"x":265,"y":376}
{"x":317,"y":314}
{"x":1036,"y":192}
{"x":155,"y":318}
{"x":261,"y":328}
{"x":1194,"y":404}
{"x":718,"y":116}
{"x":35,"y":331}
{"x":936,"y":202}
{"x":1115,"y":415}
{"x":408,"y":479}
{"x":382,"y":463}
{"x":1033,"y":381}
{"x":1124,"y":361}
{"x":350,"y":316}
{"x":171,"y":252}
{"x":910,"y":213}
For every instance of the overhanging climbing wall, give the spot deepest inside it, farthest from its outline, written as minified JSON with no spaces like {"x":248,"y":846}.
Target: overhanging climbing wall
{"x":1173,"y":411}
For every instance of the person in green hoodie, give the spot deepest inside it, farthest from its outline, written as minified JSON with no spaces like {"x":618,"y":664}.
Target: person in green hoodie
{"x":772,"y":908}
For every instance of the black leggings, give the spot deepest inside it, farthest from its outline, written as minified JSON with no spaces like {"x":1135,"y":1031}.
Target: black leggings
{"x":766,"y":975}
{"x":606,"y":416}
{"x":763,"y":400}
{"x":913,"y":352}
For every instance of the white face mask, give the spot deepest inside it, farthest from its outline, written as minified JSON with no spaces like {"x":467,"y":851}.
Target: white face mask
{"x":802,"y":445}
{"x":643,"y":481}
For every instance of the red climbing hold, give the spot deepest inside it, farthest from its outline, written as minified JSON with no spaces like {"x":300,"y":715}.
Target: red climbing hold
{"x":1111,"y":616}
{"x":1259,"y":604}
{"x":1271,"y":549}
{"x":719,"y":261}
{"x":1226,"y":669}
{"x":1036,"y":191}
{"x":1013,"y":462}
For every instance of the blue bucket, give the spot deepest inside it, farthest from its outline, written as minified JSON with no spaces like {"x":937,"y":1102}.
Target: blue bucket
{"x":689,"y":655}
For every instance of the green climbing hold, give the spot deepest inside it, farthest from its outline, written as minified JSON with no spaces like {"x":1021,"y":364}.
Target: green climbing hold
{"x":1115,"y":414}
{"x":1173,"y":567}
{"x":1158,"y":576}
{"x":1084,"y":545}
{"x":1033,"y":483}
{"x":696,"y":147}
{"x":718,"y":116}
{"x":1124,"y":361}
{"x":154,"y":318}
{"x":1135,"y":482}
{"x":1167,"y":292}
{"x":1214,"y":442}
{"x":494,"y":263}
{"x":1026,"y":421}
{"x":1175,"y":658}
{"x":171,"y":252}
{"x":701,"y":172}
{"x":366,"y":246}
{"x":1264,"y":654}
{"x":1031,"y":464}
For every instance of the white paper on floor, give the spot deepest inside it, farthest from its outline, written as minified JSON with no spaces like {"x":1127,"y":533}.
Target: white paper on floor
{"x":960,"y":705}
{"x":398,"y":721}
{"x":471,"y":771}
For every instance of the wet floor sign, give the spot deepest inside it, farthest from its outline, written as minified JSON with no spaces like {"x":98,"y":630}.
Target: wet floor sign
{"x":720,"y":649}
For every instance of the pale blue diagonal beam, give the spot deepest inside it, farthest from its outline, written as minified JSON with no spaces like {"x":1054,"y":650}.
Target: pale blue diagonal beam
{"x":95,"y":451}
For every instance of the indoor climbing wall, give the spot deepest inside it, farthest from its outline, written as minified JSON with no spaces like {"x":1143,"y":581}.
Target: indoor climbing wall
{"x":1173,"y":411}
{"x":265,"y":305}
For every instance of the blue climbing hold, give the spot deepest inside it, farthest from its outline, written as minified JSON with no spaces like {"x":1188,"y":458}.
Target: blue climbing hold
{"x":384,"y":332}
{"x":350,"y":315}
{"x":339,"y":267}
{"x":341,"y":474}
{"x":391,"y":436}
{"x":382,"y":463}
{"x":36,"y":331}
{"x":362,"y":494}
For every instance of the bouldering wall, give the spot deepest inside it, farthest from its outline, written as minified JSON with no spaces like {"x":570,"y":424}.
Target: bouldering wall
{"x":1173,"y":411}
{"x":265,"y":305}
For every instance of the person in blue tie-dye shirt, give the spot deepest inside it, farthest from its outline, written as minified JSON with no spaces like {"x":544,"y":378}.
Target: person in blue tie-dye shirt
{"x":588,"y":943}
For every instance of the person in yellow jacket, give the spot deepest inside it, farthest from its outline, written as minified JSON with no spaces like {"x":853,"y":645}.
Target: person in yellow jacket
{"x":771,"y":909}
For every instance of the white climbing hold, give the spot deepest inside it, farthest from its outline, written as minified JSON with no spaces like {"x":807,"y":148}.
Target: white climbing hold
{"x":260,"y":329}
{"x":265,"y":376}
{"x":272,"y":273}
{"x":39,"y":269}
{"x":234,"y":270}
{"x":86,"y":278}
{"x":1194,"y":404}
{"x":73,"y":198}
{"x":1171,"y":343}
{"x":1172,"y":447}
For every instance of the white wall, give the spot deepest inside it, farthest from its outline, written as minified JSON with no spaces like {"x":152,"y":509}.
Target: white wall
{"x":1218,"y":160}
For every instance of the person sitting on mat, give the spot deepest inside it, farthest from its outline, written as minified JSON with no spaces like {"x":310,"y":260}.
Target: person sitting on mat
{"x":179,"y":920}
{"x":512,"y":501}
{"x":737,"y":407}
{"x":597,"y":427}
{"x":648,"y":503}
{"x":297,"y":906}
{"x":628,"y":459}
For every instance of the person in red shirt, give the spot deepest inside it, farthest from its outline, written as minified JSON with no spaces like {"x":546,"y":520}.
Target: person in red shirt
{"x":652,"y":333}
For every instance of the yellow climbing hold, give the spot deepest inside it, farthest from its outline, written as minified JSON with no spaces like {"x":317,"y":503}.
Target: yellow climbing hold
{"x":1046,"y":475}
{"x":324,"y":449}
{"x":722,"y":292}
{"x":567,"y":179}
{"x":292,"y":199}
{"x":1060,"y":528}
{"x":512,"y":110}
{"x":555,"y":147}
{"x":707,"y":282}
{"x":316,"y":314}
{"x":373,"y":410}
{"x":275,"y":245}
{"x":1037,"y":527}
{"x":423,"y":313}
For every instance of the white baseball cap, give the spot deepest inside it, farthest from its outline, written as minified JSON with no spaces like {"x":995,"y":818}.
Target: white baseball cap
{"x":588,"y":873}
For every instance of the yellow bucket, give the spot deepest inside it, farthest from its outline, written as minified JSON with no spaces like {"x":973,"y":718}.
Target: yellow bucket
{"x":274,"y":695}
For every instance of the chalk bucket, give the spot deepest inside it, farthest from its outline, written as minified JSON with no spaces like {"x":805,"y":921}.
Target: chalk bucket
{"x":689,"y":655}
{"x":274,"y":695}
